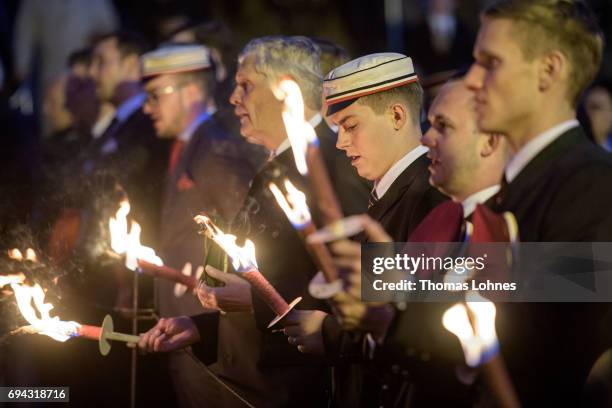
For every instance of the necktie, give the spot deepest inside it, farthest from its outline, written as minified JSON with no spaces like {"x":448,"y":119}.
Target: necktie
{"x":373,"y":199}
{"x":175,"y":153}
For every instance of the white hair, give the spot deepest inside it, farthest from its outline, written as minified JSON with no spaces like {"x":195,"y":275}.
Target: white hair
{"x":298,"y":57}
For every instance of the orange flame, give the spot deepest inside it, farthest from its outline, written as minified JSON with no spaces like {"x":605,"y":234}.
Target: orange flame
{"x":243,"y":258}
{"x":294,"y":204}
{"x":124,"y":241}
{"x":477,"y":336}
{"x":31,"y":303}
{"x":299,"y":131}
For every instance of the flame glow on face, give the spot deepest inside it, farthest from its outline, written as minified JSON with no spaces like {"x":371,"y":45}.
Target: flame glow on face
{"x":477,"y":337}
{"x":294,"y":204}
{"x":124,"y":241}
{"x":243,"y":258}
{"x":299,"y":131}
{"x":31,"y":303}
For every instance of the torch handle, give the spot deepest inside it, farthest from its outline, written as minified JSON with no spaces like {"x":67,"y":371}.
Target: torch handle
{"x":266,"y":291}
{"x":167,"y":273}
{"x":320,"y":182}
{"x":321,"y":255}
{"x":127,"y":338}
{"x":497,"y":378}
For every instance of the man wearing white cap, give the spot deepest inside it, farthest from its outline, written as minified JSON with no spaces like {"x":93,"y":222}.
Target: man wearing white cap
{"x":376,"y":102}
{"x":209,"y":170}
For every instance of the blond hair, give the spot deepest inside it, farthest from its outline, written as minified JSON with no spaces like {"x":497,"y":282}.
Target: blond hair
{"x":568,"y":26}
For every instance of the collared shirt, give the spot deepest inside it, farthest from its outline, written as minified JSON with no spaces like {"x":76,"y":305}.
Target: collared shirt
{"x":381,"y":186}
{"x":520,"y":160}
{"x":286,"y":144}
{"x":185,"y":135}
{"x":130,"y":106}
{"x":470,"y":203}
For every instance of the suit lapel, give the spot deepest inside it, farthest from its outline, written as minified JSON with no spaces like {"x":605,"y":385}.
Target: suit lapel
{"x":397,"y":189}
{"x":532,"y":174}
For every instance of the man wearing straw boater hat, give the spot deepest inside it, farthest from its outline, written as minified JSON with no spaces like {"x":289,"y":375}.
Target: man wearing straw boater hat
{"x":209,"y":170}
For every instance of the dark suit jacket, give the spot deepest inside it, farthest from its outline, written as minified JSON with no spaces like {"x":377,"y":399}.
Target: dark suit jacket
{"x":212,"y":175}
{"x":564,"y":194}
{"x":131,"y":154}
{"x":400,"y":210}
{"x":407,"y":202}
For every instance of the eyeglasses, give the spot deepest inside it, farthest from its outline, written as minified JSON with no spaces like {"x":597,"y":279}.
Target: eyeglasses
{"x":154,"y":95}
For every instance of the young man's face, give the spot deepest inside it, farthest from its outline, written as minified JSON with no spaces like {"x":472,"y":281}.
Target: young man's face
{"x":504,"y":83}
{"x":256,"y":106}
{"x":367,"y":139}
{"x":165,"y":105}
{"x":107,"y":68}
{"x":453,"y":140}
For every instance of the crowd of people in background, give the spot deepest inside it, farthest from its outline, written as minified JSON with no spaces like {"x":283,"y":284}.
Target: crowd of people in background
{"x":516,"y":116}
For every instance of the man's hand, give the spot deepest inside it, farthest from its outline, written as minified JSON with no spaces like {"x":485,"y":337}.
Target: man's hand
{"x":235,"y":296}
{"x":303,"y":329}
{"x":170,"y":334}
{"x":353,"y":314}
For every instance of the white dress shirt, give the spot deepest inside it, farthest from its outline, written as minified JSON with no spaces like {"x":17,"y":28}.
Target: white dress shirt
{"x":470,"y":203}
{"x":381,"y":186}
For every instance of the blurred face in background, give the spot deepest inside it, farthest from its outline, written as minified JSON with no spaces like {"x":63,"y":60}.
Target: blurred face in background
{"x":598,"y":105}
{"x":81,"y":98}
{"x":166,"y":105}
{"x":56,"y":115}
{"x":109,"y":69}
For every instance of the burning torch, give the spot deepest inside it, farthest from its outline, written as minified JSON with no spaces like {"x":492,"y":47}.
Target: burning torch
{"x":296,"y":209}
{"x":473,"y":322}
{"x":243,"y":260}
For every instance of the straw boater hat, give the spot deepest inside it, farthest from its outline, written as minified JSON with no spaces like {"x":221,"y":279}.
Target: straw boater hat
{"x":364,"y":76}
{"x":173,"y":59}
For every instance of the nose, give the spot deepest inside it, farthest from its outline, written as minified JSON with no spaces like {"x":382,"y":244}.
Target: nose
{"x":344,"y":140}
{"x":474,"y":78}
{"x":236,"y":96}
{"x":429,"y":138}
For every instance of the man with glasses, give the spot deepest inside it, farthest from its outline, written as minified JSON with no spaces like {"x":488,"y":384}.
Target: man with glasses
{"x":208,"y":170}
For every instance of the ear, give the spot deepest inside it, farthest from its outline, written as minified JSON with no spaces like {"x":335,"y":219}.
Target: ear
{"x":553,"y":67}
{"x":490,"y":144}
{"x":399,"y":116}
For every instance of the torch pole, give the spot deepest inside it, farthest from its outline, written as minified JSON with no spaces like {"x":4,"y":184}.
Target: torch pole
{"x":134,"y":365}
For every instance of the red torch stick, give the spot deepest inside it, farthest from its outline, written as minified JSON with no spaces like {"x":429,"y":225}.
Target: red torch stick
{"x":243,"y":260}
{"x":167,"y":273}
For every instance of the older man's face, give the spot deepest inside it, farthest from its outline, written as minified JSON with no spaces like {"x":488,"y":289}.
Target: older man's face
{"x":256,"y":107}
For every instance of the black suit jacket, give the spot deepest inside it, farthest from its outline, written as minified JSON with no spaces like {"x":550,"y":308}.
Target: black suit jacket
{"x":564,"y":194}
{"x":213,"y":174}
{"x":407,"y":202}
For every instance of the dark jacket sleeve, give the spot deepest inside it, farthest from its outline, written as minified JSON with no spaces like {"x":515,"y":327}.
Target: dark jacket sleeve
{"x":208,"y":327}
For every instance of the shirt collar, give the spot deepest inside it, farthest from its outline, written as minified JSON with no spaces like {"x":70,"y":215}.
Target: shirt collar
{"x":186,"y":134}
{"x":129,"y":106}
{"x":470,"y":203}
{"x":381,"y":186}
{"x":286,"y":144}
{"x":520,"y":160}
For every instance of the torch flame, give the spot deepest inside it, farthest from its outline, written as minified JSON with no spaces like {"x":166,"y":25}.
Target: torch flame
{"x":9,"y":279}
{"x":477,"y":337}
{"x":128,"y":242}
{"x":31,"y":299}
{"x":243,"y":258}
{"x":294,"y":204}
{"x":299,"y":131}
